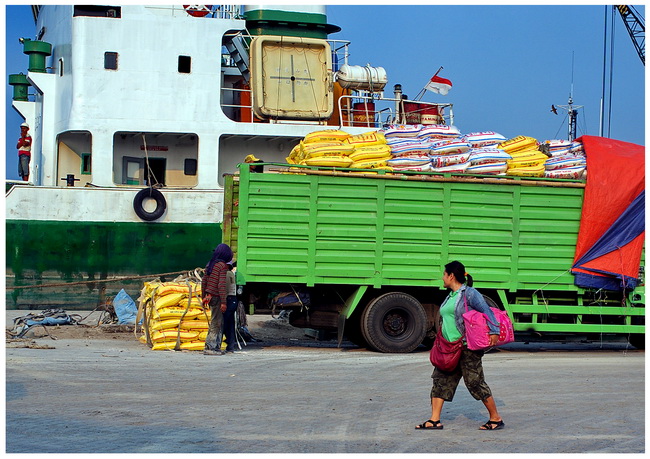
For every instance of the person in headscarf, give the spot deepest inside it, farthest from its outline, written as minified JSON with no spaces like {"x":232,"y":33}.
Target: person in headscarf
{"x":213,"y":288}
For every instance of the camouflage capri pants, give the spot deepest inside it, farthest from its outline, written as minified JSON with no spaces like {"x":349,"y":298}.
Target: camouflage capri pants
{"x":470,"y":369}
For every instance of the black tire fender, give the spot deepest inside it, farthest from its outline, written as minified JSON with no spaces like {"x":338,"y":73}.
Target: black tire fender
{"x":138,"y":201}
{"x":394,"y":322}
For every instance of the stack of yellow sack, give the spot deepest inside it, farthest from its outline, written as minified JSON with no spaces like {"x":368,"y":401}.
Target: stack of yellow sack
{"x":323,"y":148}
{"x":336,"y":148}
{"x":527,"y":160}
{"x":174,"y":317}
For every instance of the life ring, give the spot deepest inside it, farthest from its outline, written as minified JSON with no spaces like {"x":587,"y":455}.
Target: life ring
{"x":198,"y":11}
{"x":138,"y":202}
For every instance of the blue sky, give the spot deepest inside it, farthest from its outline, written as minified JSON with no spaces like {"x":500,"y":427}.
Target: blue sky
{"x":508,"y":64}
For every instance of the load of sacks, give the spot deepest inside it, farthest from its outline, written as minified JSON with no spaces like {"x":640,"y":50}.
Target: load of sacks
{"x":339,"y":149}
{"x":174,"y":317}
{"x":441,"y":148}
{"x":567,"y":160}
{"x":561,"y":159}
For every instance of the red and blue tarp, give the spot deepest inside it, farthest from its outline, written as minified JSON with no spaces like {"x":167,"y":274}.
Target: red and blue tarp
{"x":612,"y":225}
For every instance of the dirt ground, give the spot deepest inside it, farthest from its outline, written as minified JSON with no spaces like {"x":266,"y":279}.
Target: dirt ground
{"x":265,"y":328}
{"x":97,"y":389}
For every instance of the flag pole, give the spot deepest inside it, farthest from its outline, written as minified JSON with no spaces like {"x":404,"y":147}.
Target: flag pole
{"x":423,"y":90}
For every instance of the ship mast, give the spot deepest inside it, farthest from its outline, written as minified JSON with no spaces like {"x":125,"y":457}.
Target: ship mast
{"x":572,"y":110}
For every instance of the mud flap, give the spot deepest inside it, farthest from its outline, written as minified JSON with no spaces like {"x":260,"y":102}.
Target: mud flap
{"x":349,"y":307}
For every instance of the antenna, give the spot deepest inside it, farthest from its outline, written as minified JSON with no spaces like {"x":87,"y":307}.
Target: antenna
{"x":573,"y":55}
{"x":572,"y":110}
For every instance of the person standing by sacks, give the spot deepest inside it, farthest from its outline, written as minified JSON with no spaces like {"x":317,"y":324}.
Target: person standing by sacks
{"x":24,"y":147}
{"x":231,"y":307}
{"x":213,"y":290}
{"x":470,"y":366}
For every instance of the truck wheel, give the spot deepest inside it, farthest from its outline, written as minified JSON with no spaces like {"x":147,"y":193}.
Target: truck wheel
{"x":394,"y":322}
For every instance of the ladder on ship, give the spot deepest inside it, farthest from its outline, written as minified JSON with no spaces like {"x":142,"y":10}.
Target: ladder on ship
{"x":237,"y":46}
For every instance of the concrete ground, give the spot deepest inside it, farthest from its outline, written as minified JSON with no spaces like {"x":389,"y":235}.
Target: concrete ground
{"x":111,"y":394}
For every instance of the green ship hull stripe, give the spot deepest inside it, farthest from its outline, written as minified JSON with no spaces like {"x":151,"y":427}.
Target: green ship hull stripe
{"x":54,"y":252}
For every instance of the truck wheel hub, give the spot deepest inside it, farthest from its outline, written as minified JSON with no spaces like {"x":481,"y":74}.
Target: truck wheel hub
{"x":394,"y":324}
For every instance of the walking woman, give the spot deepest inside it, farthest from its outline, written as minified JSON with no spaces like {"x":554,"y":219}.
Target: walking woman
{"x":213,"y":288}
{"x":470,"y":367}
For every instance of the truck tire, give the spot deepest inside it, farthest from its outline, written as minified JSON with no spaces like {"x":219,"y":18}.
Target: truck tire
{"x":394,"y":322}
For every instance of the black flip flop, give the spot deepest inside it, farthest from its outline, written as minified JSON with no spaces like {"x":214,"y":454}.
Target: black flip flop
{"x":493,"y":425}
{"x":435,"y":425}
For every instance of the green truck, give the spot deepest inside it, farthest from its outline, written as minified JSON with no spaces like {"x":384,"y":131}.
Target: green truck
{"x":364,"y":253}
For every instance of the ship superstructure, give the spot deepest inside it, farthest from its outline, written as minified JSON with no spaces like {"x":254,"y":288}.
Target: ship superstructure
{"x":127,"y":98}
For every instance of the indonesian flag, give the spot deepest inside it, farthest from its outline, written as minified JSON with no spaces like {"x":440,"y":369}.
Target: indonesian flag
{"x":439,"y":85}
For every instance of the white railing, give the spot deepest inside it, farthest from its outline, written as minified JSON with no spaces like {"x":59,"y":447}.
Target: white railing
{"x":227,"y":12}
{"x":361,"y":111}
{"x":367,"y":111}
{"x":216,"y":11}
{"x":340,"y":53}
{"x":242,"y":109}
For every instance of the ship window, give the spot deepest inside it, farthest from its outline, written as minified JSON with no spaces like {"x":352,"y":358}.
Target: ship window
{"x":184,"y":64}
{"x":61,"y":67}
{"x":110,"y":60}
{"x":98,"y":11}
{"x":190,"y":166}
{"x":85,"y":164}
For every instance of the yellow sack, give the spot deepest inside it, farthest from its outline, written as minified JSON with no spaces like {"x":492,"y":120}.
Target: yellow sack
{"x":305,"y":149}
{"x":143,"y":339}
{"x":195,"y":324}
{"x":172,"y":335}
{"x":178,"y":287}
{"x":369,"y":164}
{"x":329,"y":135}
{"x":526,"y":152}
{"x":171,"y":313}
{"x":171,"y":299}
{"x":529,"y":171}
{"x":203,"y":335}
{"x":164,"y":346}
{"x":193,"y":346}
{"x":295,"y":155}
{"x":331,"y":161}
{"x":367,"y":139}
{"x":528,"y":160}
{"x":156,"y":325}
{"x":371,"y":152}
{"x":148,"y":288}
{"x":518,"y":143}
{"x":329,"y":150}
{"x":196,"y":303}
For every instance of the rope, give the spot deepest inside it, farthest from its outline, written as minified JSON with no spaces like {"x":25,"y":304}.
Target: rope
{"x":277,"y":98}
{"x":114,"y":279}
{"x":146,"y":158}
{"x":541,"y":289}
